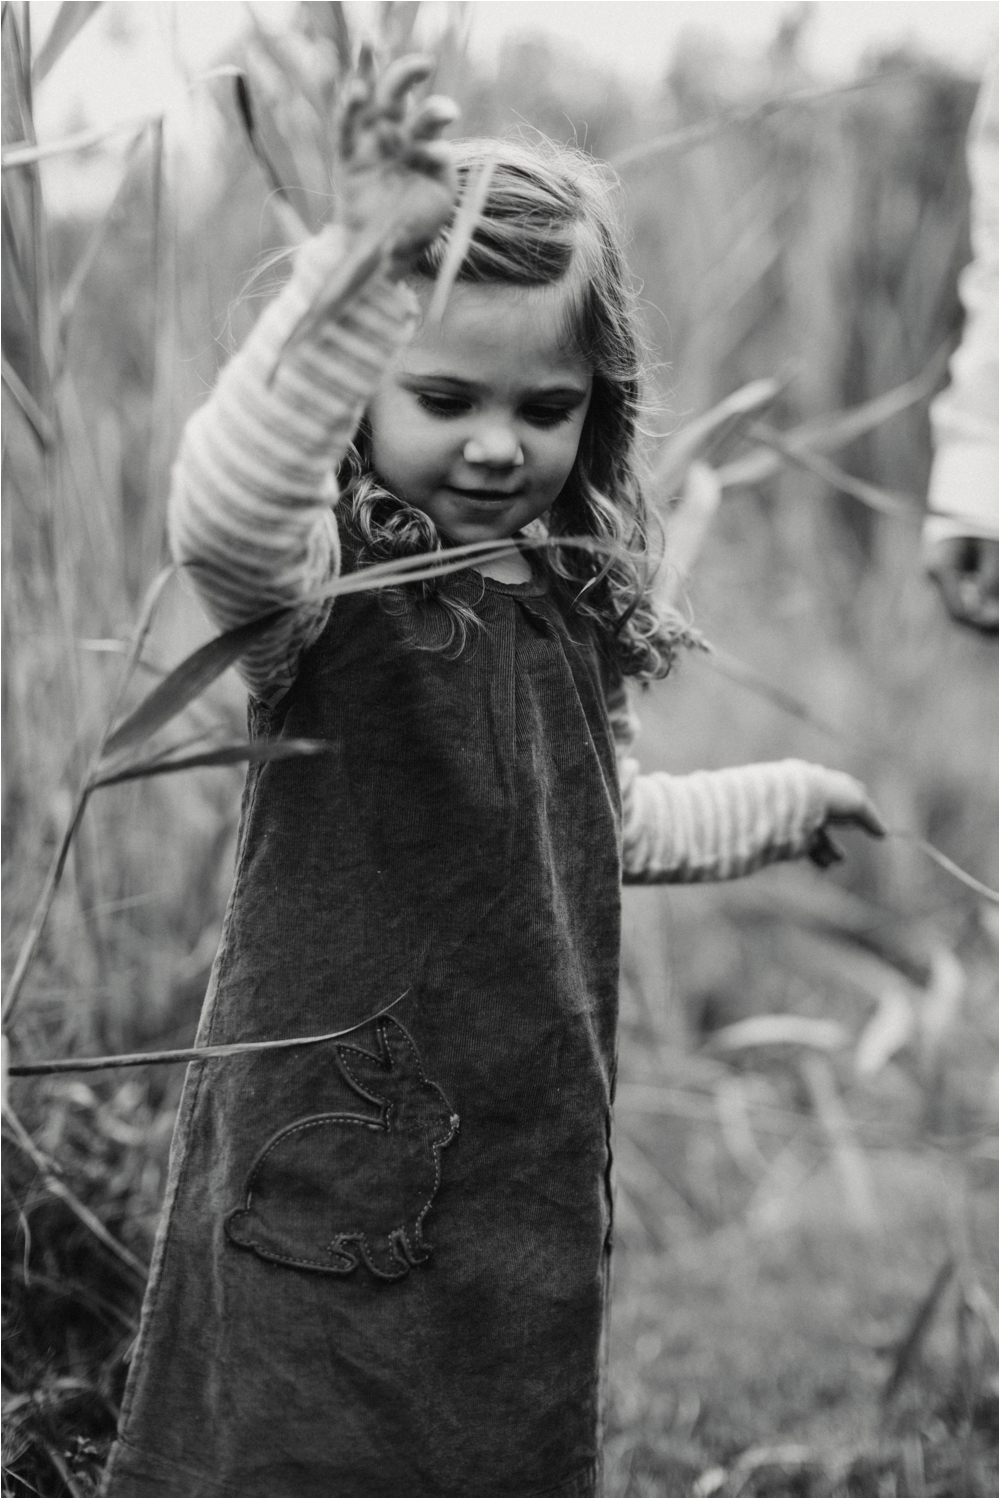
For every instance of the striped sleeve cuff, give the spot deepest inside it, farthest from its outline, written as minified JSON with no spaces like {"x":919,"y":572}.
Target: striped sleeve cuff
{"x":717,"y":825}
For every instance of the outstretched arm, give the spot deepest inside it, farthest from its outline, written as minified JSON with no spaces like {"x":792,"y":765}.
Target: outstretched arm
{"x":253,"y":487}
{"x":719,"y":824}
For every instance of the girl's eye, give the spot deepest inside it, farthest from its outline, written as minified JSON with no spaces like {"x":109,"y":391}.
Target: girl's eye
{"x":439,"y":404}
{"x":546,"y":416}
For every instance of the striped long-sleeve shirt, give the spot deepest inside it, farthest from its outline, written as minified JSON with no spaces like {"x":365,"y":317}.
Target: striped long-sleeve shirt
{"x":252,"y":518}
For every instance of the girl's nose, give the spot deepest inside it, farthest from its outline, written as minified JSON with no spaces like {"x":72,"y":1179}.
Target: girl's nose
{"x":495,"y":447}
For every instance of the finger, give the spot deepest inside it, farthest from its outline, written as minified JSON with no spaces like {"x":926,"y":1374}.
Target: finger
{"x":432,"y":116}
{"x":868,"y":818}
{"x":859,"y":812}
{"x":986,"y":615}
{"x":435,"y":159}
{"x":366,"y":64}
{"x":964,"y":602}
{"x":426,"y":208}
{"x":396,"y":82}
{"x":355,"y":100}
{"x":989,"y":564}
{"x":978,"y":608}
{"x":822,"y":850}
{"x":947,"y":580}
{"x":984,"y":609}
{"x":969,"y":593}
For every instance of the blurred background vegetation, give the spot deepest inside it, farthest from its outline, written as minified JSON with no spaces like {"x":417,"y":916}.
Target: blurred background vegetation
{"x":804,"y":1298}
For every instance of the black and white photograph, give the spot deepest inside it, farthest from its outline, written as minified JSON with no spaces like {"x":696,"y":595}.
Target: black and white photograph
{"x":500,"y":806}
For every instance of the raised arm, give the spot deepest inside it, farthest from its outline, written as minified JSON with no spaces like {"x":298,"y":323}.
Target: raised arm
{"x":720,"y":824}
{"x":253,"y":487}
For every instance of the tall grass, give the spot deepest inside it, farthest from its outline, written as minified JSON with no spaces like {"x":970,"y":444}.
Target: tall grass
{"x":804,"y":1059}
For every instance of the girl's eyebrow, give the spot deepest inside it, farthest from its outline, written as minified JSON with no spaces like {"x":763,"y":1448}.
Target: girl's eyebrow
{"x":456,"y":383}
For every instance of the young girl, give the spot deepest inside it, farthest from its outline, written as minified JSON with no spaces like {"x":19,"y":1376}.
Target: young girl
{"x":383,"y":1263}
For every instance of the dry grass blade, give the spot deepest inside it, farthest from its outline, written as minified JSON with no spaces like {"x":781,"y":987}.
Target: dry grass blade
{"x":428,"y":565}
{"x":398,"y":18}
{"x":733,"y":1110}
{"x":291,"y":222}
{"x":59,"y":1463}
{"x":74,"y":286}
{"x":909,"y":1348}
{"x":746,"y":676}
{"x":791,"y":1456}
{"x":770,"y":1119}
{"x":453,"y":48}
{"x":678,"y":452}
{"x":24,"y":257}
{"x":70,"y":18}
{"x":26,"y":154}
{"x":695,"y":135}
{"x":886,"y":501}
{"x":334,"y":24}
{"x":781,"y":1030}
{"x":687,"y":527}
{"x":826,"y":433}
{"x":849,"y":1159}
{"x":192,"y":1053}
{"x":186,"y":682}
{"x":460,"y":236}
{"x":955,"y":870}
{"x":50,"y":1174}
{"x":41,"y":427}
{"x":887,"y":1032}
{"x":832,"y":959}
{"x":139,"y":638}
{"x":238,"y":753}
{"x":40,"y":915}
{"x":32,"y":937}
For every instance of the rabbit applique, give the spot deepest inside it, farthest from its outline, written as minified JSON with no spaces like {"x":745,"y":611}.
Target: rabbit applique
{"x":333,"y":1190}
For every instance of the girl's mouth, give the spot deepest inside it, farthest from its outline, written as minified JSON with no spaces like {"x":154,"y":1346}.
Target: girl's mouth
{"x":486,"y":496}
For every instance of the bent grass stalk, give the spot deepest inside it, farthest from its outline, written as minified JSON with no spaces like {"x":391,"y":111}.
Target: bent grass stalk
{"x":192,"y":1053}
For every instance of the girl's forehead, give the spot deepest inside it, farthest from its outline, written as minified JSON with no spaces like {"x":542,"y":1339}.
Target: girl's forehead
{"x":497,"y":325}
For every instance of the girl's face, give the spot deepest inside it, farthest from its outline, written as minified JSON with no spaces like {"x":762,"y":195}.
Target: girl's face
{"x":478,"y":420}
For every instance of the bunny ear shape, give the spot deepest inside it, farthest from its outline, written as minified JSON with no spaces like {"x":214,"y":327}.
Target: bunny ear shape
{"x":398,"y":1045}
{"x":398,"y":1062}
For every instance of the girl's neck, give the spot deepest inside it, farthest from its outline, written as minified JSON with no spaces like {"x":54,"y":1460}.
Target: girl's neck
{"x":514,"y":568}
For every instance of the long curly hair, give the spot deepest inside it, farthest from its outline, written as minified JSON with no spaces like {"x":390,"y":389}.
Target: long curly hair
{"x":549,"y":217}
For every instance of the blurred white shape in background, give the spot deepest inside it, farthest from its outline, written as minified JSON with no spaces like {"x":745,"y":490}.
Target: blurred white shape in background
{"x":963,"y":484}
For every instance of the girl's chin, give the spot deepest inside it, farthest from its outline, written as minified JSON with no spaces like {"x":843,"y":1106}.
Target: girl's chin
{"x":460,"y":530}
{"x":458,"y":535}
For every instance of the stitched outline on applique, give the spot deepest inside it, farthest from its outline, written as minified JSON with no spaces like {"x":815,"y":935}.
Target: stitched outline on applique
{"x":406,"y":1243}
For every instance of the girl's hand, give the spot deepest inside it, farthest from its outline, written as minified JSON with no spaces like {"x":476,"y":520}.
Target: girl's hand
{"x":398,"y":176}
{"x":847,"y":801}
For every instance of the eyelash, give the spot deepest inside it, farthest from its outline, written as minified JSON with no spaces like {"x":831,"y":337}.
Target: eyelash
{"x":454,"y":406}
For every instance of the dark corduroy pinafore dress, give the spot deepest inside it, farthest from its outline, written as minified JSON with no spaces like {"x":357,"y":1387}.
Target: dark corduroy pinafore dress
{"x":383,"y":1262}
